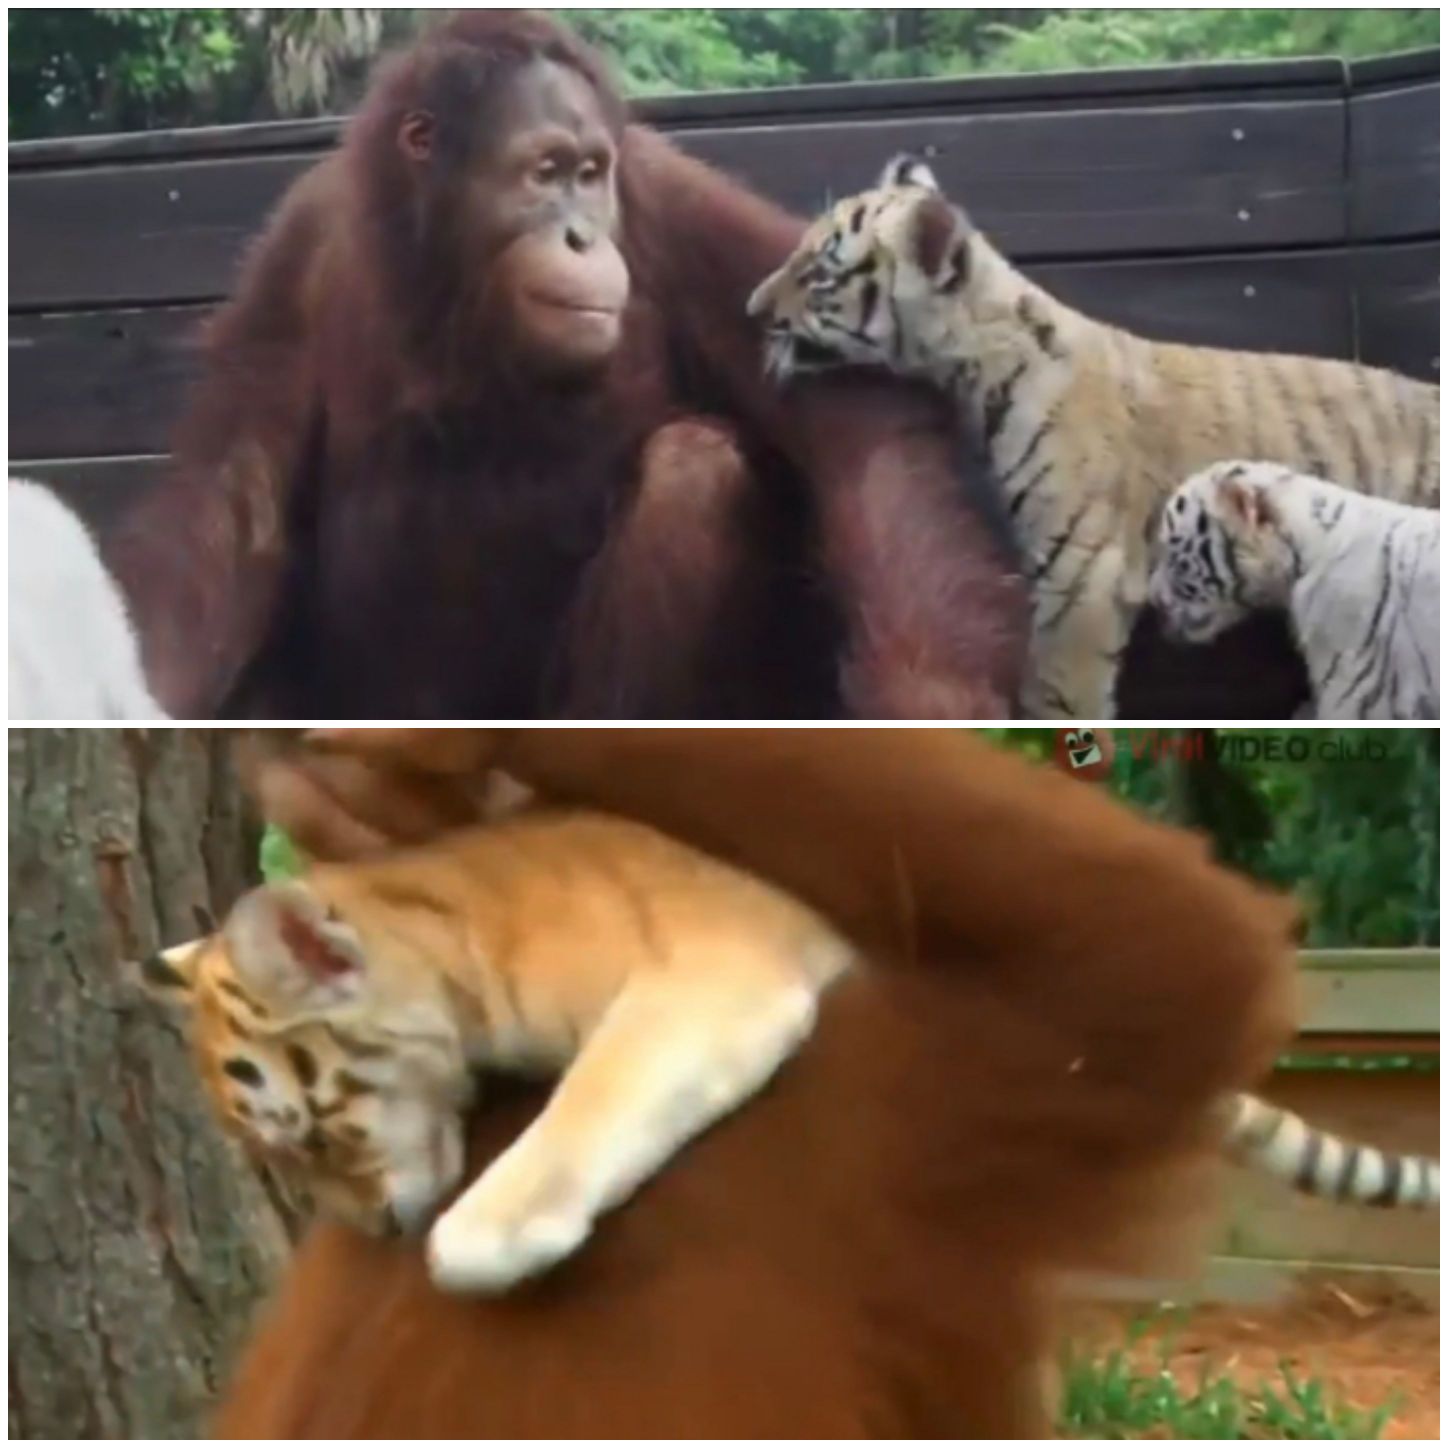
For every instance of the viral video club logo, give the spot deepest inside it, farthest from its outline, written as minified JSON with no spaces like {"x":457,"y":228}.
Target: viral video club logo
{"x":1086,"y":753}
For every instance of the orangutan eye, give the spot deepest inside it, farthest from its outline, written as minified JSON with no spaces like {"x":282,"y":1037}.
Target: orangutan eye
{"x":547,"y":171}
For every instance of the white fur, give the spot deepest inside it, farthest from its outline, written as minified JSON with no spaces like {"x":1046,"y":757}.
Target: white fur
{"x":1357,"y":575}
{"x":73,"y":654}
{"x":1393,"y":549}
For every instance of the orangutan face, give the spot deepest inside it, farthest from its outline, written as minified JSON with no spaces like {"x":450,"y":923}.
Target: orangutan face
{"x":528,"y":189}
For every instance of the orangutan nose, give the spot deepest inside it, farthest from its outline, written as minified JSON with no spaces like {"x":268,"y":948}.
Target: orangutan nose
{"x":577,"y":239}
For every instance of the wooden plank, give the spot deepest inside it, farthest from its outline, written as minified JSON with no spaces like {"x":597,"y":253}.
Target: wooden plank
{"x":1398,"y":307}
{"x":99,"y":383}
{"x":1398,"y":68}
{"x":109,"y":382}
{"x":314,"y":135}
{"x":1119,"y":89}
{"x":1073,"y":89}
{"x":99,"y":489}
{"x":1271,"y":1237}
{"x":1064,"y":184}
{"x":1363,"y":1051}
{"x":1395,"y":1111}
{"x":1337,"y":1001}
{"x":163,"y":232}
{"x":1080,"y":183}
{"x":1248,"y":1281}
{"x":1268,"y":302}
{"x":1337,"y":959}
{"x":1393,"y":163}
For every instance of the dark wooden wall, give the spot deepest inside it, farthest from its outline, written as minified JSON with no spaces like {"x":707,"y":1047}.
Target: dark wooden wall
{"x":1284,"y":206}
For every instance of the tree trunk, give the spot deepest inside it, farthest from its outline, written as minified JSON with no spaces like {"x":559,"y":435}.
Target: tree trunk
{"x":139,"y":1240}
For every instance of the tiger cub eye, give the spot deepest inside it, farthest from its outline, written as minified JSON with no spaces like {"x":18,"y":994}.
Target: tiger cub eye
{"x":240,"y":1069}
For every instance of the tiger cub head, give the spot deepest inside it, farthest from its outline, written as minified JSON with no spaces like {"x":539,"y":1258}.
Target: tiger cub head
{"x":327,"y":1049}
{"x":1222,"y":551}
{"x":865,"y":285}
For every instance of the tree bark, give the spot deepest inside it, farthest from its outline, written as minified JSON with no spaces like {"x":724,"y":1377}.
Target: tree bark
{"x":139,"y":1239}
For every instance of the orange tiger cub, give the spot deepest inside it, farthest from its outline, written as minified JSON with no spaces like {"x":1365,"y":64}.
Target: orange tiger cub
{"x":339,"y":1020}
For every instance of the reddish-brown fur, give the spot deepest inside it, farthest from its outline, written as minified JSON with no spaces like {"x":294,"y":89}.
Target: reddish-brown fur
{"x":661,"y":602}
{"x":373,"y":509}
{"x":1060,"y":988}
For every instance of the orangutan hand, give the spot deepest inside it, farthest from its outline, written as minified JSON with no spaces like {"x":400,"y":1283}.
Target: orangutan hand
{"x":342,"y":795}
{"x":429,"y":751}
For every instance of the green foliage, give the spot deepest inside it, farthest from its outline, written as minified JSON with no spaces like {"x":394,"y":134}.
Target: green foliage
{"x":1108,"y":1396}
{"x":658,"y":51}
{"x":280,"y":858}
{"x":680,"y":50}
{"x":75,"y":71}
{"x":1357,"y":836}
{"x":104,"y":70}
{"x":1345,"y":818}
{"x":111,"y":70}
{"x":1036,"y":744}
{"x":1336,"y":1061}
{"x":1082,"y":39}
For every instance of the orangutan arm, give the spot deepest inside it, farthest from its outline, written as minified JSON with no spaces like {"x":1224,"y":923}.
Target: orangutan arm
{"x":202,"y":556}
{"x":662,"y":603}
{"x":935,"y":618}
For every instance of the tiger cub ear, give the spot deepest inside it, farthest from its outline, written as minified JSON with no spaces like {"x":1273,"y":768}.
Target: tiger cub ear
{"x":1245,"y":500}
{"x":169,"y":975}
{"x":293,"y":950}
{"x":501,"y":796}
{"x":907,"y":170}
{"x":937,"y":240}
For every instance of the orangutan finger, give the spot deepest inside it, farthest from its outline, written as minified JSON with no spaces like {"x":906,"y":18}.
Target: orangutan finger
{"x":312,"y":816}
{"x":435,"y":751}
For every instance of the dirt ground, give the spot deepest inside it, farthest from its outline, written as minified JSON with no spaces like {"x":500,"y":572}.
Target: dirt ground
{"x":1362,"y":1345}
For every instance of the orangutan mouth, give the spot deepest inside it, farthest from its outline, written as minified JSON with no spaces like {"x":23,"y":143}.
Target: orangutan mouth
{"x":570,"y":304}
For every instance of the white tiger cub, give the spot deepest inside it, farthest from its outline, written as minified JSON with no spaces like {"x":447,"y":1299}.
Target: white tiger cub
{"x":1358,"y":577}
{"x":1089,"y":428}
{"x":74,"y":653}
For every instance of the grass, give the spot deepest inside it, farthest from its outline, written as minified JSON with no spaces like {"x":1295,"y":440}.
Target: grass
{"x":1109,"y":1396}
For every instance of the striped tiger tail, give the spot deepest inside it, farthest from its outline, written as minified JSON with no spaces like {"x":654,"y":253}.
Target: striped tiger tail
{"x":1316,"y":1162}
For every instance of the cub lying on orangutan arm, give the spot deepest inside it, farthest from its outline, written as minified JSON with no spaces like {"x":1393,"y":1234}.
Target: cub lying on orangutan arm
{"x":339,"y":1020}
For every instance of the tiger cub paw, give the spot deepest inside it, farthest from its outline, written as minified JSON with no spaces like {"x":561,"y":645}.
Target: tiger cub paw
{"x":490,"y":1241}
